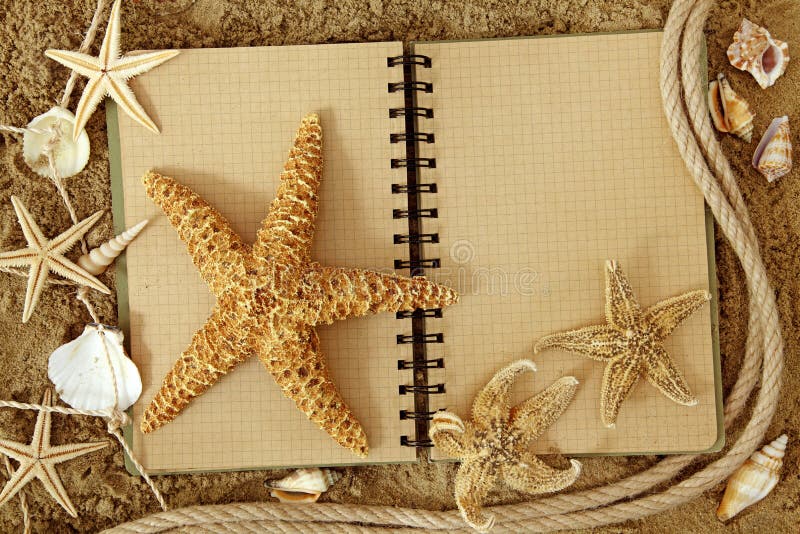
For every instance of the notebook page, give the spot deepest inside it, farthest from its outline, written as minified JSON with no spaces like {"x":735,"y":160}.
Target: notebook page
{"x":552,"y":156}
{"x":228,"y":119}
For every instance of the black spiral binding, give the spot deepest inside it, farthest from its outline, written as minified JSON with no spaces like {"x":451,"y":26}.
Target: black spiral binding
{"x":413,"y":188}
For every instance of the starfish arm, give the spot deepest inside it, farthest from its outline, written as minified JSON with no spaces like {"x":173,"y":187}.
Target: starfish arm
{"x":18,"y":451}
{"x":619,"y":377}
{"x":662,"y":373}
{"x":109,"y":49}
{"x":93,"y":93}
{"x":48,"y":475}
{"x":23,"y":474}
{"x":216,"y":250}
{"x":37,"y":278}
{"x":64,"y":453}
{"x":447,"y":434}
{"x":340,"y":293}
{"x":41,"y":430}
{"x":288,"y":230}
{"x":491,"y":405}
{"x":474,"y":479}
{"x":622,"y":310}
{"x":76,"y":273}
{"x":67,"y":239}
{"x":18,"y":258}
{"x":118,"y":90}
{"x":300,"y":369}
{"x":533,"y":416}
{"x":83,"y":64}
{"x":665,"y":316}
{"x":33,"y":235}
{"x":600,"y":342}
{"x":129,"y":66}
{"x":532,"y":475}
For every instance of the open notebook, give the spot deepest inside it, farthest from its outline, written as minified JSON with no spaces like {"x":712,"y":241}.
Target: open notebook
{"x":548,"y":156}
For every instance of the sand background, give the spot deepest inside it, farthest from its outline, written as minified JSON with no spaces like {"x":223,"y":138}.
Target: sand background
{"x":101,"y":489}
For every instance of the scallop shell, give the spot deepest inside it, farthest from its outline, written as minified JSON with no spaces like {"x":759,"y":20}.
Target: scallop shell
{"x":303,"y":485}
{"x":729,"y":111}
{"x":755,"y":51}
{"x":753,"y":481}
{"x":70,"y":156}
{"x":98,"y":259}
{"x":773,"y":156}
{"x":81,"y":374}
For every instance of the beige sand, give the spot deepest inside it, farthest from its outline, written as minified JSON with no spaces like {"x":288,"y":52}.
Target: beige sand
{"x":103,"y":492}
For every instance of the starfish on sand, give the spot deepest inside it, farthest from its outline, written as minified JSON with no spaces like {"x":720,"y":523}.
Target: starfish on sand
{"x":38,"y":460}
{"x":631,"y":343}
{"x":43,"y":256}
{"x":271,"y":295}
{"x":494,"y":445}
{"x":109,"y":73}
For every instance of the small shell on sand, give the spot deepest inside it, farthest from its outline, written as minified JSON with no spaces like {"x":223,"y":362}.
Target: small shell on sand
{"x":303,"y":485}
{"x":754,"y":50}
{"x":70,"y":156}
{"x":773,"y":157}
{"x":98,"y":259}
{"x":730,"y":112}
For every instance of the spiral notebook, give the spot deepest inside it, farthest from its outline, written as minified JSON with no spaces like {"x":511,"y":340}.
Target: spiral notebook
{"x":509,"y":169}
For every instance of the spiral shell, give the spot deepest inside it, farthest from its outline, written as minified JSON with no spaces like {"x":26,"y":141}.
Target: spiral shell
{"x":303,"y":485}
{"x":70,"y":156}
{"x":730,"y":112}
{"x":773,"y":157}
{"x":755,"y":51}
{"x":98,"y":259}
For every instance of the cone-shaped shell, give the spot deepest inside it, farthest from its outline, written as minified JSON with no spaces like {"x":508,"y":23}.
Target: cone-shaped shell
{"x":730,"y":112}
{"x":81,"y":374}
{"x":70,"y":156}
{"x":773,"y":157}
{"x":303,"y":485}
{"x":753,"y":481}
{"x":754,"y":50}
{"x":98,"y":259}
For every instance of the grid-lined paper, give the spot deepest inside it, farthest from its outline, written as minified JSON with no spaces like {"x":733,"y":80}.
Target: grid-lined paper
{"x":553,"y":155}
{"x":228,"y":118}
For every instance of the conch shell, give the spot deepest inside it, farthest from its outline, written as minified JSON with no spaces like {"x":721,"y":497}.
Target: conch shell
{"x":753,"y":481}
{"x":82,"y":376}
{"x":755,"y":51}
{"x":773,"y":156}
{"x":98,"y":259}
{"x":70,"y":156}
{"x":303,"y":485}
{"x":729,"y":111}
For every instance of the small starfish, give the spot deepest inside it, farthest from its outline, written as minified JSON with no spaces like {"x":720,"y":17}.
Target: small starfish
{"x":109,"y":74}
{"x":631,"y":343}
{"x":494,"y":445}
{"x":39,"y":458}
{"x":43,"y":256}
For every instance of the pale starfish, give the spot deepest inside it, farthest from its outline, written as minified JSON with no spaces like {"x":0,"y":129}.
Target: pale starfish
{"x":494,"y":445}
{"x":271,"y":295}
{"x":38,"y":460}
{"x":109,"y":74}
{"x":43,"y":256}
{"x":631,"y":343}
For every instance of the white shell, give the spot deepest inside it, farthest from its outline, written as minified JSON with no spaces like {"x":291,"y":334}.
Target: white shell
{"x":98,"y":259}
{"x":303,"y":485}
{"x":754,"y":50}
{"x":81,"y":374}
{"x":773,"y":157}
{"x":753,"y":481}
{"x":70,"y":156}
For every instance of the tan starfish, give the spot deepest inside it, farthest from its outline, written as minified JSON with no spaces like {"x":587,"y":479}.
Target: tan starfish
{"x":271,"y":295}
{"x":109,"y":74}
{"x":38,"y":460}
{"x":631,"y":343}
{"x":43,"y":256}
{"x":494,"y":445}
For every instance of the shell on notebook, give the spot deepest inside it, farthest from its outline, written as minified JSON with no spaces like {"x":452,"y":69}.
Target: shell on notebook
{"x":773,"y":156}
{"x":303,"y":485}
{"x":98,"y":259}
{"x":754,"y":50}
{"x":70,"y":156}
{"x":82,"y":375}
{"x":753,"y":481}
{"x":730,"y":112}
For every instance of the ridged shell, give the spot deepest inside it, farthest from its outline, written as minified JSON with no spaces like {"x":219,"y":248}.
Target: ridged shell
{"x":755,"y":51}
{"x":98,"y":259}
{"x":730,"y":112}
{"x":773,"y":156}
{"x":303,"y":485}
{"x":81,"y":374}
{"x":70,"y":156}
{"x":753,"y":481}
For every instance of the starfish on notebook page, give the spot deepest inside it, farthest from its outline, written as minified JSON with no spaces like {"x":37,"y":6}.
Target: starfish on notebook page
{"x":39,"y":458}
{"x":495,"y":444}
{"x":631,"y":343}
{"x":43,"y":256}
{"x":109,"y":73}
{"x":271,"y":295}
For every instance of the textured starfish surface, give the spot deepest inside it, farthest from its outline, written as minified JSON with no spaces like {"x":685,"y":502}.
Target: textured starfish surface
{"x":495,"y":444}
{"x":631,"y":343}
{"x":109,"y":73}
{"x":271,"y":295}
{"x":44,"y":255}
{"x":38,"y":460}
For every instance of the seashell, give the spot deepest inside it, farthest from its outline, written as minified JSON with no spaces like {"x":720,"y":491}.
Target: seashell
{"x":773,"y":156}
{"x":70,"y":156}
{"x":753,"y":481}
{"x":303,"y":485}
{"x":729,"y":111}
{"x":81,"y":374}
{"x":98,"y":259}
{"x":755,"y":51}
